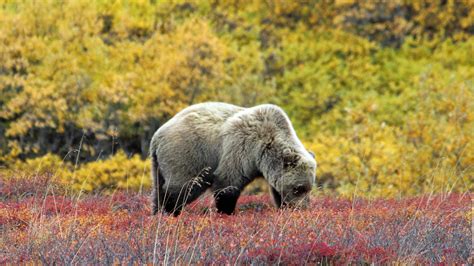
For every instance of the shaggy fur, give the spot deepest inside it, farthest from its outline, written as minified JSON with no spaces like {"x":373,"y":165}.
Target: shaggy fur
{"x":224,"y":147}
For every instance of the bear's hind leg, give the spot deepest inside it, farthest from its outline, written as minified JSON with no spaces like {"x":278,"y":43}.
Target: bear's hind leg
{"x":173,"y":203}
{"x":176,"y":199}
{"x":158,"y":181}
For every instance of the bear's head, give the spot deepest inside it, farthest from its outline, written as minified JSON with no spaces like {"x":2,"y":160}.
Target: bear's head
{"x":291,"y":175}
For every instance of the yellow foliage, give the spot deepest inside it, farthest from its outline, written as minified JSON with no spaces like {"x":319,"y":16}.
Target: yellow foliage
{"x":382,"y":92}
{"x":49,"y":164}
{"x":117,"y":172}
{"x":432,"y":153}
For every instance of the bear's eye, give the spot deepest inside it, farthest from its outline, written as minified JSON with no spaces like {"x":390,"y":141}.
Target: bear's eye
{"x":290,"y":161}
{"x":289,"y":164}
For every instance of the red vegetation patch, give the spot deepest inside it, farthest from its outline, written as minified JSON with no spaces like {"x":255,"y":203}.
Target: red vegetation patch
{"x":119,"y":229}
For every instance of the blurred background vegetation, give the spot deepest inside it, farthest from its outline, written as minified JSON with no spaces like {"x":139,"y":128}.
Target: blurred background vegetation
{"x":381,"y":91}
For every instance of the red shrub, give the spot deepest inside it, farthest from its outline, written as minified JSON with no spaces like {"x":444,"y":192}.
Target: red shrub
{"x":119,"y":229}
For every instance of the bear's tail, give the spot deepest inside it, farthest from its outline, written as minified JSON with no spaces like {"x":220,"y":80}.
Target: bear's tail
{"x":158,"y":181}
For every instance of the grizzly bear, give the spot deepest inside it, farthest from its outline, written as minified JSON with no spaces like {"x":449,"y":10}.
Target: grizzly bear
{"x":223,"y":147}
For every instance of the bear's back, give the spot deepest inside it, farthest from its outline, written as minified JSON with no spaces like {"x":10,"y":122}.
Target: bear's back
{"x":203,"y":119}
{"x":191,"y":140}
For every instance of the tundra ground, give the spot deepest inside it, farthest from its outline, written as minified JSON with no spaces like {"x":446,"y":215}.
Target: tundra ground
{"x":41,"y":223}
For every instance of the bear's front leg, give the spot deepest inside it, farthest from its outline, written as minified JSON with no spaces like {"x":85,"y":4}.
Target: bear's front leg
{"x":226,"y":197}
{"x":276,"y":197}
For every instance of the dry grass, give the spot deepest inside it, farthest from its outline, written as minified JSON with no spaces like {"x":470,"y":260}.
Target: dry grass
{"x":39,"y":222}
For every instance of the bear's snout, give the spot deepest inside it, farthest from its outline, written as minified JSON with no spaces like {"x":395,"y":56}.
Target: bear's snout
{"x":299,"y":203}
{"x":296,"y":195}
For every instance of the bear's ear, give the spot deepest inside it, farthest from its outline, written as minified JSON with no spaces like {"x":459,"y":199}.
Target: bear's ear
{"x":287,"y":152}
{"x":311,"y":153}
